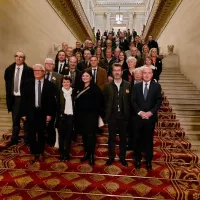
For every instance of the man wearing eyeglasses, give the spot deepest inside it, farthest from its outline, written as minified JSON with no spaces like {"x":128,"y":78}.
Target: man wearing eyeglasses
{"x":38,"y":108}
{"x":16,"y":76}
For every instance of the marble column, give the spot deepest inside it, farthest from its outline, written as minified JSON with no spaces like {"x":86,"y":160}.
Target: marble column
{"x":139,"y":22}
{"x":108,"y":21}
{"x":130,"y":24}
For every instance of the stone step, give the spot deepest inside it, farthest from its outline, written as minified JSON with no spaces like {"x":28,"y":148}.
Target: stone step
{"x":171,"y":69}
{"x":195,"y":145}
{"x":188,"y":118}
{"x":178,"y":87}
{"x":178,"y":84}
{"x":186,"y":112}
{"x":184,"y":101}
{"x":192,"y":134}
{"x":191,"y":126}
{"x":174,"y":81}
{"x":5,"y":124}
{"x":168,"y":72}
{"x":163,"y":75}
{"x":185,"y":106}
{"x":183,"y":96}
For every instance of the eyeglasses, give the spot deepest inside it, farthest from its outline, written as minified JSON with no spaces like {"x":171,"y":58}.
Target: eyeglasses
{"x":38,"y":70}
{"x":17,"y":56}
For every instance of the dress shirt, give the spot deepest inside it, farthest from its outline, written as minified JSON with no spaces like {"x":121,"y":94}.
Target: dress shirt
{"x":50,"y":75}
{"x":21,"y":67}
{"x":118,"y":84}
{"x":59,"y":63}
{"x":148,"y":83}
{"x":36,"y":90}
{"x":95,"y":78}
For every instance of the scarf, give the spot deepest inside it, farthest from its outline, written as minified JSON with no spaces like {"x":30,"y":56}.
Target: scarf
{"x":68,"y":101}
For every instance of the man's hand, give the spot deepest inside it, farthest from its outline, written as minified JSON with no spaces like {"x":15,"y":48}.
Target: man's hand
{"x":147,"y":115}
{"x":142,"y":114}
{"x":110,"y":78}
{"x":48,"y":118}
{"x":24,"y":118}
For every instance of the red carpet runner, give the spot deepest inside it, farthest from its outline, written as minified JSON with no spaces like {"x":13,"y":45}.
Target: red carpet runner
{"x":175,"y":174}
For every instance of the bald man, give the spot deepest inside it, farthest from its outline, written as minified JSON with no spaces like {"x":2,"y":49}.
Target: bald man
{"x":16,"y":76}
{"x":146,"y":100}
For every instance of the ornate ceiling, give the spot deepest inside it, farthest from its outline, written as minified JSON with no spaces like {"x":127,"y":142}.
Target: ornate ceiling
{"x":119,"y":2}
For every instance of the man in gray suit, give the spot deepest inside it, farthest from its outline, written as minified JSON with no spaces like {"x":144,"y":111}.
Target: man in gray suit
{"x":56,"y":79}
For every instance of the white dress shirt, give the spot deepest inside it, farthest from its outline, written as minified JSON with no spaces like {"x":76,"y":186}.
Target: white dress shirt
{"x":21,"y":67}
{"x":50,"y":75}
{"x":95,"y":78}
{"x":36,"y":90}
{"x":148,"y":84}
{"x":59,"y":63}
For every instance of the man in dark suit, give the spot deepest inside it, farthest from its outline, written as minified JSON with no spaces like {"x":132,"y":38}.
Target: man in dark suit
{"x":61,"y":66}
{"x":146,"y":100}
{"x":134,"y":53}
{"x":138,"y":44}
{"x":38,"y":102}
{"x":124,"y":44}
{"x":117,"y":101}
{"x":74,"y":73}
{"x":56,"y":79}
{"x":107,"y":63}
{"x":15,"y":77}
{"x":86,"y":62}
{"x":152,"y":44}
{"x":99,"y":74}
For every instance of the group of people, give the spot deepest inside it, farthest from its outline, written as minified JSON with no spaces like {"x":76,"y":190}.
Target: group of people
{"x":117,"y":82}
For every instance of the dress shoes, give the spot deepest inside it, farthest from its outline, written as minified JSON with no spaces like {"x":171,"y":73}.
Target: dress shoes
{"x":85,"y":157}
{"x":67,"y":157}
{"x":123,"y":162}
{"x":11,"y":143}
{"x":32,"y":159}
{"x":137,"y":164}
{"x":62,"y":157}
{"x":109,"y":161}
{"x":91,"y":160}
{"x":41,"y":157}
{"x":148,"y":166}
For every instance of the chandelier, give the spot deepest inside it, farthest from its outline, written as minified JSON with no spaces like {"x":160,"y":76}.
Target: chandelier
{"x":119,"y":17}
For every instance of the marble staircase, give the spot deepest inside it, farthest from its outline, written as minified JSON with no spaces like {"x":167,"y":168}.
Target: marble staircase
{"x":184,"y":98}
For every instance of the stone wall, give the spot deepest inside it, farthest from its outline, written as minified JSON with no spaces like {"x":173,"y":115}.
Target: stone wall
{"x":31,"y":26}
{"x":184,"y":33}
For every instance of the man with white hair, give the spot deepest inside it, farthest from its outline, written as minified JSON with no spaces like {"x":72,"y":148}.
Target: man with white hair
{"x":56,"y":79}
{"x":38,"y":102}
{"x":146,"y":100}
{"x":137,"y":75}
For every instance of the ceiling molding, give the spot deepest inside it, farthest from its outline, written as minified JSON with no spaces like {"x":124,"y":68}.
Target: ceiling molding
{"x":117,"y":3}
{"x":72,"y":14}
{"x":161,"y":13}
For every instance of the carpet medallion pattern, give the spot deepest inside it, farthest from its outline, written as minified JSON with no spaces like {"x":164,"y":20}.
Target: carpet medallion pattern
{"x":175,"y":174}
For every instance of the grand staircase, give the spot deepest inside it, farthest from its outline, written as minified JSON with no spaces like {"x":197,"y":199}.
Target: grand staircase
{"x":175,"y":174}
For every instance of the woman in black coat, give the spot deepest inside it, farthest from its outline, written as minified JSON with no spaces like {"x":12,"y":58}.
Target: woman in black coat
{"x":66,"y":118}
{"x":88,"y":103}
{"x":122,"y":60}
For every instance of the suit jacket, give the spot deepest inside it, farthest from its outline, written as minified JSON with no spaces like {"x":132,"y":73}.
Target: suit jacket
{"x":107,"y":65}
{"x":9,"y":82}
{"x":140,"y":61}
{"x":124,"y":46}
{"x":158,"y":65}
{"x":47,"y":100}
{"x":77,"y":78}
{"x":83,"y":65}
{"x":101,"y":77}
{"x":153,"y":44}
{"x":139,"y":47}
{"x":64,"y":69}
{"x":152,"y":102}
{"x":109,"y":95}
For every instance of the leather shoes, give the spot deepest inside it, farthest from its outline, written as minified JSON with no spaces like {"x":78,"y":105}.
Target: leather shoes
{"x":123,"y":162}
{"x":91,"y":160}
{"x":11,"y":143}
{"x":32,"y":159}
{"x":109,"y":161}
{"x":137,"y":164}
{"x":41,"y":157}
{"x":148,"y":166}
{"x":85,"y":157}
{"x":67,"y":157}
{"x":62,"y":157}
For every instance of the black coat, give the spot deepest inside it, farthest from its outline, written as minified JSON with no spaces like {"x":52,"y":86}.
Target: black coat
{"x":153,"y":44}
{"x":107,"y":66}
{"x":87,"y":110}
{"x":27,"y":74}
{"x":124,"y":46}
{"x":47,"y":100}
{"x":83,"y":65}
{"x":158,"y":70}
{"x":152,"y":103}
{"x":64,"y":69}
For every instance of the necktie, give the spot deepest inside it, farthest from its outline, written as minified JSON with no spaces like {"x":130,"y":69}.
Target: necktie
{"x":16,"y":81}
{"x":39,"y":93}
{"x":47,"y":77}
{"x":145,"y":91}
{"x":94,"y":75}
{"x":60,"y":71}
{"x":72,"y":77}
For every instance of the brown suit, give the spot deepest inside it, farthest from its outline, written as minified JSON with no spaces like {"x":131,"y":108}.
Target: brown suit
{"x":101,"y":77}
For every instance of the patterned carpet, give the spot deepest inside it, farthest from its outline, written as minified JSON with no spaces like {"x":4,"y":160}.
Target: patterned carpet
{"x":175,"y":174}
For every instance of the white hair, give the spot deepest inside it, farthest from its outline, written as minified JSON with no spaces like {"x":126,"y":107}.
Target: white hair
{"x":139,"y":69}
{"x":130,"y":58}
{"x":47,"y":59}
{"x":39,"y":65}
